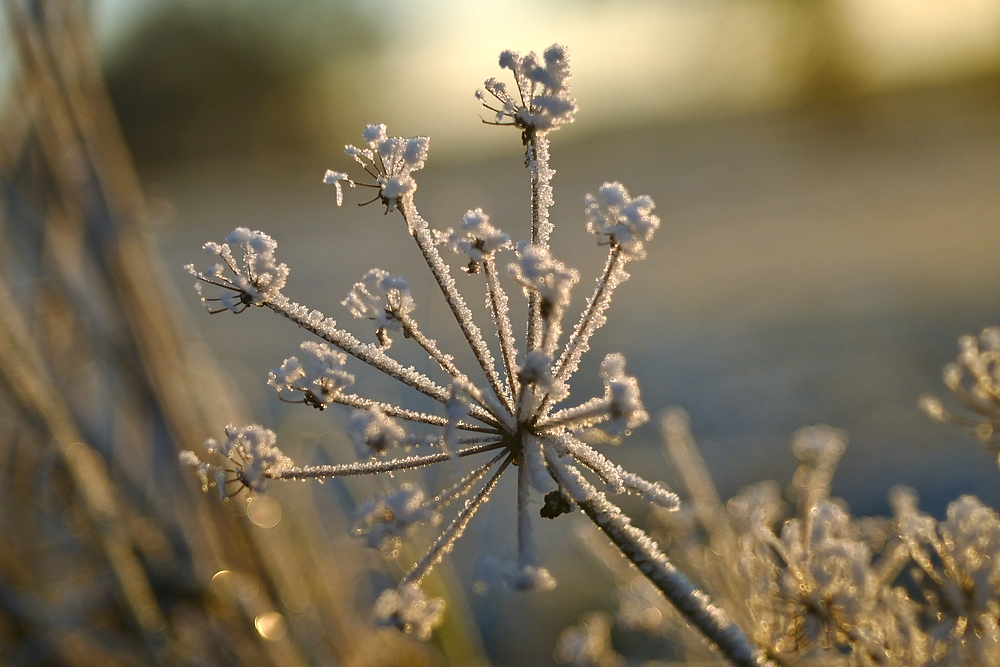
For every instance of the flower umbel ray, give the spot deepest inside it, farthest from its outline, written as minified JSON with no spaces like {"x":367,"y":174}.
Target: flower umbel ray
{"x":511,"y":418}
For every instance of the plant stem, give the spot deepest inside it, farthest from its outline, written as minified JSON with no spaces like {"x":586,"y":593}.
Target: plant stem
{"x":692,"y":603}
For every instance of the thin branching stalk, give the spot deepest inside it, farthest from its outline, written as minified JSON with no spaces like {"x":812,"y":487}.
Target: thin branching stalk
{"x":635,"y":545}
{"x":379,"y":466}
{"x":446,"y":540}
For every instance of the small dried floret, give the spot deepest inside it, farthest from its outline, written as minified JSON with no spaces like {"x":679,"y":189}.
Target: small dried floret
{"x":537,"y":371}
{"x":319,"y":374}
{"x":372,"y":432}
{"x":491,"y":570}
{"x":620,"y":220}
{"x":335,"y":178}
{"x":543,"y":102}
{"x":537,"y":271}
{"x":588,"y":644}
{"x":409,"y":609}
{"x":255,"y":279}
{"x":480,"y":240}
{"x":397,"y":159}
{"x":386,"y":519}
{"x":625,"y":408}
{"x":381,"y":297}
{"x":252,"y":453}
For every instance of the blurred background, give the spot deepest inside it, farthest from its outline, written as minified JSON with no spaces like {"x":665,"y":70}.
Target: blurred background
{"x":827,"y":174}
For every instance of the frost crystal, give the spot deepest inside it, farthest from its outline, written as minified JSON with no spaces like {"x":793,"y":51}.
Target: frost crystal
{"x":254,"y":277}
{"x":385,"y":520}
{"x":319,"y":374}
{"x":542,"y":102}
{"x":620,"y":220}
{"x":410,"y":610}
{"x":372,"y":432}
{"x":383,"y":298}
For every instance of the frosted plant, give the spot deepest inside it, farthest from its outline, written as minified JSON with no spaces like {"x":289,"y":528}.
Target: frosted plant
{"x":975,"y":378}
{"x":958,"y":564}
{"x":821,"y":587}
{"x":515,"y":416}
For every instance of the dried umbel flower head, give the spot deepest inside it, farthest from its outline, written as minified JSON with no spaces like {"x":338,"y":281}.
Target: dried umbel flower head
{"x":542,"y":102}
{"x":252,"y":458}
{"x":974,"y":377}
{"x":514,"y":417}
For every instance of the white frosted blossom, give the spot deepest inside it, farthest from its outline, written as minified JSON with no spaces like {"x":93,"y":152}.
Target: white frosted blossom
{"x":252,"y":458}
{"x":372,"y":432}
{"x":409,"y":609}
{"x":390,"y":161}
{"x":317,"y":372}
{"x":248,"y":276}
{"x":539,"y":273}
{"x":384,"y":520}
{"x":958,"y":563}
{"x":541,"y":102}
{"x":625,"y":411}
{"x":620,"y":220}
{"x":381,"y":297}
{"x":479,"y":239}
{"x":974,"y":377}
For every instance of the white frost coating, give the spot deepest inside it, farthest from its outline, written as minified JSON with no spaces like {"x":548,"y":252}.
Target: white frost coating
{"x":256,"y":277}
{"x":391,"y":160}
{"x":593,"y":317}
{"x":616,"y":479}
{"x":692,"y":603}
{"x":619,"y":220}
{"x":252,"y":454}
{"x":497,"y":302}
{"x":625,"y":410}
{"x":479,"y":240}
{"x":462,"y":487}
{"x":409,"y":609}
{"x":543,"y":102}
{"x":373,"y":433}
{"x":335,"y":178}
{"x":539,"y":274}
{"x":385,"y":519}
{"x":319,"y":374}
{"x":537,"y":271}
{"x":445,"y":542}
{"x":378,"y":466}
{"x":420,"y":232}
{"x":537,"y":371}
{"x":381,"y":297}
{"x":456,"y":409}
{"x":373,"y":355}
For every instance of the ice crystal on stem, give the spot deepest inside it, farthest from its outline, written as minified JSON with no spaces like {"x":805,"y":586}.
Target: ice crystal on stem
{"x":512,"y":417}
